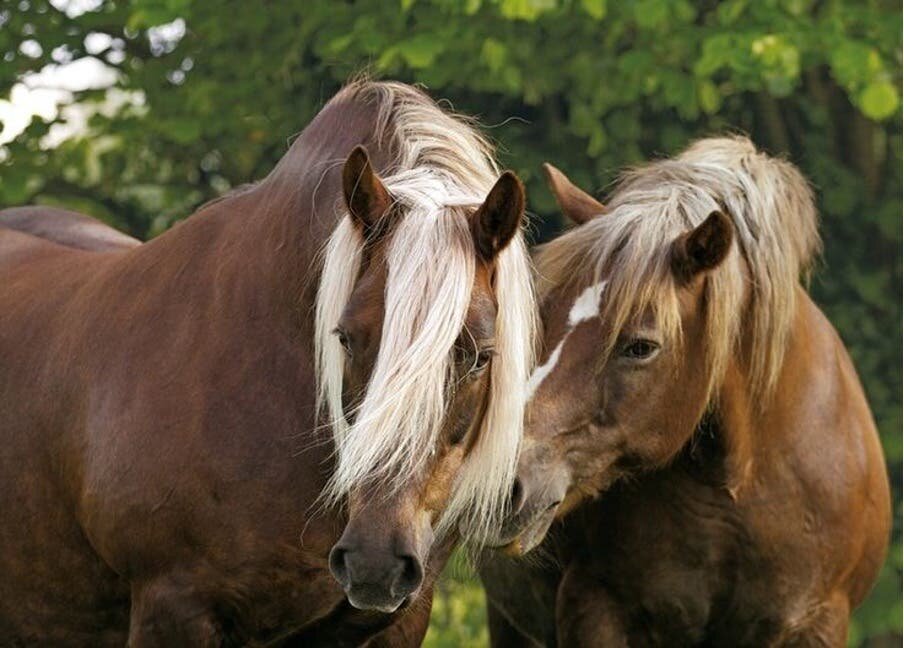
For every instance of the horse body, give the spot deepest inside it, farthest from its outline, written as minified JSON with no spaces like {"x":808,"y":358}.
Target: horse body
{"x":764,"y":524}
{"x":172,"y":474}
{"x":671,"y":558}
{"x":162,"y":461}
{"x":674,"y":559}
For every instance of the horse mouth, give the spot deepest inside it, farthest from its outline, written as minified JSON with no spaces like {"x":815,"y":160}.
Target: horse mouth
{"x":377,"y":599}
{"x":526,"y":537}
{"x":514,"y":549}
{"x":362,"y":601}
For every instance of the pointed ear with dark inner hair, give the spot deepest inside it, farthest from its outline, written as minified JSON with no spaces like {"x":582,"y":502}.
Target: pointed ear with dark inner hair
{"x":366,"y":197}
{"x":578,"y":205}
{"x":703,"y":248}
{"x":497,"y":220}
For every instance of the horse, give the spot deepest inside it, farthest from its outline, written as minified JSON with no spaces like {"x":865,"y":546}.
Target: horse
{"x":67,"y":228}
{"x":698,"y":444}
{"x":270,"y":424}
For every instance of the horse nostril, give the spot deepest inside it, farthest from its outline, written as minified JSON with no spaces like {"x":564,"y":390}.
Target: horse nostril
{"x":410,"y":576}
{"x":338,"y":567}
{"x":517,"y":497}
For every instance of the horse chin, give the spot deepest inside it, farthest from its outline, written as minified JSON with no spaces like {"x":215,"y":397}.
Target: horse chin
{"x":528,"y":537}
{"x":365,"y":599}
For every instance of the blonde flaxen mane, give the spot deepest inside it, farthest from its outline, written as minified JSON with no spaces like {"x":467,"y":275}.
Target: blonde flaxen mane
{"x":443,"y":170}
{"x":752,"y":293}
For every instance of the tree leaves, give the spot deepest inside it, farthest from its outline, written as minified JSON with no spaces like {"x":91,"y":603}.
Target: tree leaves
{"x":596,"y":9}
{"x":860,"y":69}
{"x":421,"y":51}
{"x":879,"y":100}
{"x":525,"y":9}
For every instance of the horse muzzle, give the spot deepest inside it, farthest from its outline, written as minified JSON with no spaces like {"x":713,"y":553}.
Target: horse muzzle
{"x":382,"y":583}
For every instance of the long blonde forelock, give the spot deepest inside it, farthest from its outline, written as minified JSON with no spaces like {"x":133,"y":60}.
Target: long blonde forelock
{"x":478,"y":510}
{"x":442,"y":171}
{"x":402,"y":411}
{"x":341,"y":263}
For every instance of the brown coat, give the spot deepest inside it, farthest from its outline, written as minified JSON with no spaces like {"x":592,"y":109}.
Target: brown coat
{"x":693,"y":505}
{"x":161,"y":462}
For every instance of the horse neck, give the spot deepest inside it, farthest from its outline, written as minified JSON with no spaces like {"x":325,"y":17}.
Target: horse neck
{"x":301,"y":200}
{"x":265,"y":242}
{"x":756,"y":433}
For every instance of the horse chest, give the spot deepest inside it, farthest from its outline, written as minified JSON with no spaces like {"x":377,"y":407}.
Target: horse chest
{"x":676,"y":558}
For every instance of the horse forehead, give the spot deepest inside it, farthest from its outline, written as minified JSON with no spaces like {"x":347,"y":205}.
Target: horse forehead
{"x":366,"y":304}
{"x":582,"y":309}
{"x":571,"y":307}
{"x":689,"y":298}
{"x":587,"y":304}
{"x":368,"y":299}
{"x":481,"y":315}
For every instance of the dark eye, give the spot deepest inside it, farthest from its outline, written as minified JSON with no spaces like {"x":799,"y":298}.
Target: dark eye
{"x":458,"y":434}
{"x":639,"y":349}
{"x":342,"y":336}
{"x":482,"y":360}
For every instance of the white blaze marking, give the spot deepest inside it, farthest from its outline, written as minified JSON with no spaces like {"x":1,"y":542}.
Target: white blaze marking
{"x":540,"y":373}
{"x":585,"y":307}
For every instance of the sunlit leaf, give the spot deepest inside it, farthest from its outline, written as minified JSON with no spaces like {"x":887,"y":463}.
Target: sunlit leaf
{"x":880,"y":99}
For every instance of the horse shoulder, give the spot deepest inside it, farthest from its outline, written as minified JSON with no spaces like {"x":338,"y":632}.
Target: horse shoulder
{"x":856,"y":471}
{"x":817,"y":509}
{"x":825,"y":430}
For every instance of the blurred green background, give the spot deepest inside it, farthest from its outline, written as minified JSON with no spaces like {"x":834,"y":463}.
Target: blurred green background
{"x":145,"y":109}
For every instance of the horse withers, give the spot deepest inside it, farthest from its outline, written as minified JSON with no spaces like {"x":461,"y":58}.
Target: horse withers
{"x":697,"y":437}
{"x":318,"y":373}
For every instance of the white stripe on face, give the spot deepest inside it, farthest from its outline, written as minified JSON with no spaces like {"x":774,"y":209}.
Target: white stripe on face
{"x":585,"y":307}
{"x":540,"y":373}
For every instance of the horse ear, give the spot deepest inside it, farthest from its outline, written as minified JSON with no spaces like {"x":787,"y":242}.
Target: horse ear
{"x":494,"y":224}
{"x":366,"y":197}
{"x":575,"y":203}
{"x":703,"y":248}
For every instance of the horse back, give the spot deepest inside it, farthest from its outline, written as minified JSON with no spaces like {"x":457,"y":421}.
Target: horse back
{"x":67,"y":228}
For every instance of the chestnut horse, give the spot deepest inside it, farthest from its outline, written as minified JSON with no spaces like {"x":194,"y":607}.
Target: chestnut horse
{"x":319,"y":373}
{"x":697,"y":429}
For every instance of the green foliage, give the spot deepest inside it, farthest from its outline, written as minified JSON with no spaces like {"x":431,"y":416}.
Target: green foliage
{"x":592,"y":85}
{"x":458,"y":619}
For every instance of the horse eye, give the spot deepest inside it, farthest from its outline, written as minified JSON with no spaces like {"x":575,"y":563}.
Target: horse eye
{"x":458,"y":435}
{"x":343,"y":340}
{"x":639,"y":349}
{"x":482,"y":360}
